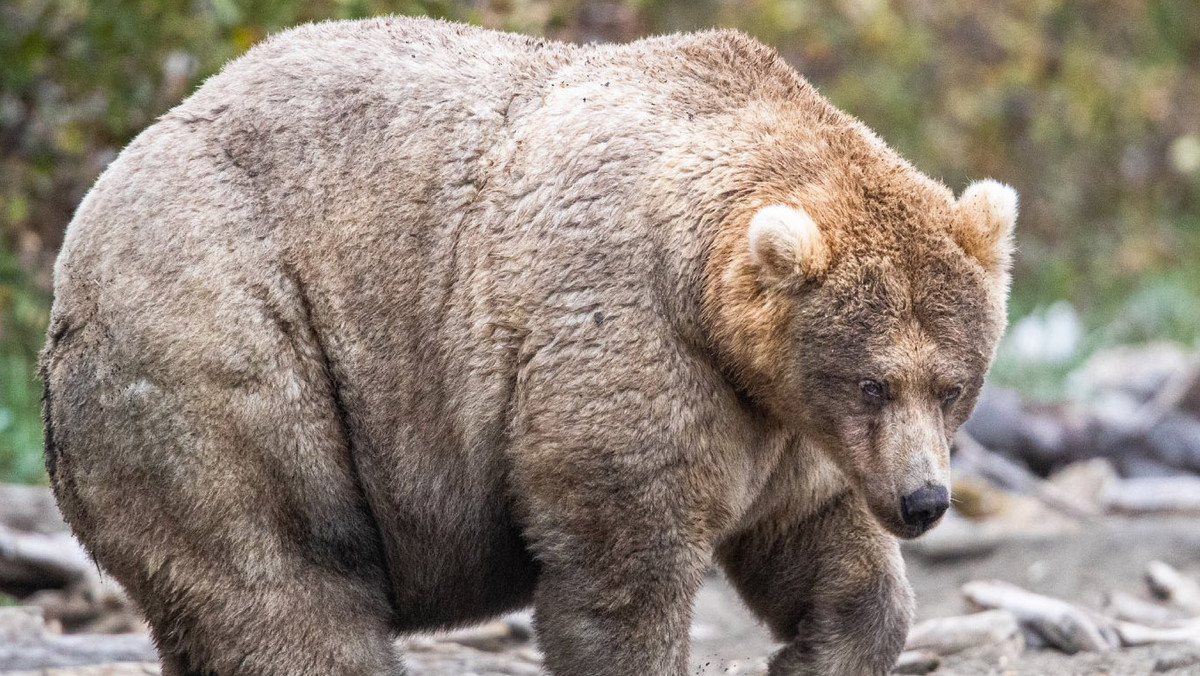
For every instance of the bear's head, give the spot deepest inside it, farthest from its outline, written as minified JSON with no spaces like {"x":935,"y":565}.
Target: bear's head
{"x":863,"y":312}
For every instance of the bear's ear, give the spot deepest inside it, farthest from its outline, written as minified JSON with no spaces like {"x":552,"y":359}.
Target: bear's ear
{"x":785,"y":241}
{"x":987,"y":212}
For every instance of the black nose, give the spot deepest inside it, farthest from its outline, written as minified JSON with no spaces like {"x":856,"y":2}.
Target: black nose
{"x":924,"y":506}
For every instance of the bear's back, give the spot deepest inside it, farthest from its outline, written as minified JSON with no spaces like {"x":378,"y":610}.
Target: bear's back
{"x":336,"y":124}
{"x":327,"y":140}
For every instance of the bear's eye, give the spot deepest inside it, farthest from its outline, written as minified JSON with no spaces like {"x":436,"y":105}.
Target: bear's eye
{"x":951,"y":394}
{"x":873,"y":391}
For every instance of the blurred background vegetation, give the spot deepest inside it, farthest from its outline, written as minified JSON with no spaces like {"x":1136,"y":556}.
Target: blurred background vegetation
{"x":1090,"y":108}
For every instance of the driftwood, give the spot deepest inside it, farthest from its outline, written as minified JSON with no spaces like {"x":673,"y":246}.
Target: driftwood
{"x":1133,"y":634}
{"x":29,"y":509}
{"x":513,"y":631}
{"x":90,"y":610}
{"x":1059,"y":624}
{"x":1177,"y":444}
{"x":1170,"y":585}
{"x":32,"y":561}
{"x":917,"y":662}
{"x":26,"y":644}
{"x":971,"y":457}
{"x":1153,"y":495}
{"x":1039,"y":437}
{"x":52,"y":572}
{"x":114,"y":669}
{"x":1073,"y":629}
{"x":1129,"y":608}
{"x":1156,"y":437}
{"x":949,"y":635}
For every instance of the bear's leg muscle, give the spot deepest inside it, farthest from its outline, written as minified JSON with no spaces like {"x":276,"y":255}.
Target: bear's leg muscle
{"x":619,"y":571}
{"x":623,"y":612}
{"x":614,"y":507}
{"x":831,"y":586}
{"x":229,"y":512}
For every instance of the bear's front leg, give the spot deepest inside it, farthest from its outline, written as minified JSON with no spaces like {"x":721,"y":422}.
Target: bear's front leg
{"x":620,"y":565}
{"x":831,"y":585}
{"x":623,"y":614}
{"x":617,"y":488}
{"x":622,"y":552}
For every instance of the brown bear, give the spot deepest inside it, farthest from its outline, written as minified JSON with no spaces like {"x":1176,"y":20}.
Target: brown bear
{"x":397,"y":325}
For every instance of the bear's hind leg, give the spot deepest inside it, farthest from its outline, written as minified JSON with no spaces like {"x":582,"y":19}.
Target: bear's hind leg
{"x":831,"y":586}
{"x":230,"y":512}
{"x":308,"y":626}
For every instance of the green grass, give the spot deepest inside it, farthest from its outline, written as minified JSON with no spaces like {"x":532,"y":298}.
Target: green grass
{"x":20,"y":421}
{"x":24,"y":311}
{"x":1162,"y":305}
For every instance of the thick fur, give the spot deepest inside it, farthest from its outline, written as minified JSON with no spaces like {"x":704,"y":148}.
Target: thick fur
{"x":397,"y":325}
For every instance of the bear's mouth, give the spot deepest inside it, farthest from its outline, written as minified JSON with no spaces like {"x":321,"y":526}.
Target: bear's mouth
{"x":893,"y":522}
{"x":910,"y":532}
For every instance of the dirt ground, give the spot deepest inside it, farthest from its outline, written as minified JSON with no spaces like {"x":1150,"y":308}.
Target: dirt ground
{"x":1081,"y":566}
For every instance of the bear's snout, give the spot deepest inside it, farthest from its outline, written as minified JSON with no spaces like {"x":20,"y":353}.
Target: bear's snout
{"x":924,"y":506}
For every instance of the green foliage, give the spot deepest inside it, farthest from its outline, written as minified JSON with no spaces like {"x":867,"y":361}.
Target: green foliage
{"x":1087,"y":107}
{"x":23,"y":313}
{"x":77,"y":81}
{"x":1082,"y":105}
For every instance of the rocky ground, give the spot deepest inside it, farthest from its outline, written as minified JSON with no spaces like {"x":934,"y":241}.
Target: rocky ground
{"x":1084,"y":564}
{"x":1071,"y":502}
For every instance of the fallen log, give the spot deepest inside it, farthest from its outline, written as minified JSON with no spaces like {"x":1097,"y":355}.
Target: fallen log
{"x":54,"y":573}
{"x":28,"y":648}
{"x":1060,"y":624}
{"x":1041,"y":438}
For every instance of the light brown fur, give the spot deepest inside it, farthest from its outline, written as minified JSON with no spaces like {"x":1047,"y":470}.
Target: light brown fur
{"x":397,"y":325}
